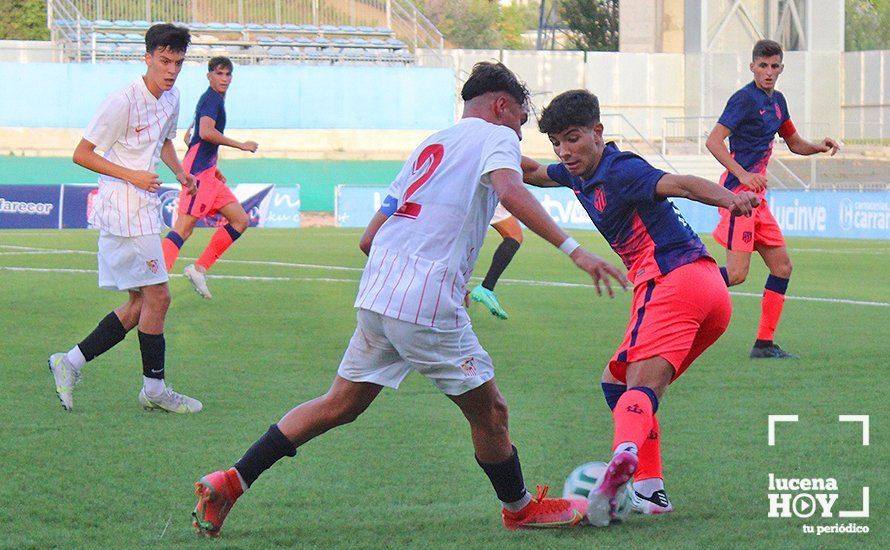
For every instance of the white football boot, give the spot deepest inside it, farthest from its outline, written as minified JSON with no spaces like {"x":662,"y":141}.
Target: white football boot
{"x":170,"y":401}
{"x":65,"y":377}
{"x":198,"y":280}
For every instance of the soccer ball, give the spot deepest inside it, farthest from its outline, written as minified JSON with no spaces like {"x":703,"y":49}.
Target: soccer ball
{"x":584,"y":477}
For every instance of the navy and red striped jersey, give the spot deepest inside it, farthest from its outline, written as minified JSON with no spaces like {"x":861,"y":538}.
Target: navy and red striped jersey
{"x":203,"y":154}
{"x":648,"y":232}
{"x":754,"y":118}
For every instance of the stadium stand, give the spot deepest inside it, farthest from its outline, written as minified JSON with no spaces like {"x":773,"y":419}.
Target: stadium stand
{"x":84,"y":36}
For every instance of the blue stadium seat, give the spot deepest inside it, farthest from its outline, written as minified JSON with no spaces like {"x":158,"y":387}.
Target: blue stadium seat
{"x":115,"y":36}
{"x":309,"y":28}
{"x":340,"y":41}
{"x":382,"y":30}
{"x":265,"y":40}
{"x":99,"y":36}
{"x":102,"y":23}
{"x":321,"y":41}
{"x":141,"y":24}
{"x":290,"y":27}
{"x":284,"y":40}
{"x":216,"y":26}
{"x":302,"y":41}
{"x":253,"y":26}
{"x":348,"y":28}
{"x":133,"y":37}
{"x":358,"y":41}
{"x":198,"y":26}
{"x":123,"y":23}
{"x":272,"y":26}
{"x":366,"y":30}
{"x":237,"y":27}
{"x":328,"y":28}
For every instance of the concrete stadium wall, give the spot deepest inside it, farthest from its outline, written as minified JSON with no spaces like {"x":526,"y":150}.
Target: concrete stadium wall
{"x":866,"y":95}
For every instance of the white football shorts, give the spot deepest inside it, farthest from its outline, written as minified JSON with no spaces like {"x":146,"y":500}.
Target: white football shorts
{"x":130,"y":263}
{"x":384,"y":350}
{"x":500,"y":214}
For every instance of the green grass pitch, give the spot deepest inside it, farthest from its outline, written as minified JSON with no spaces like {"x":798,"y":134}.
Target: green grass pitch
{"x":110,"y":475}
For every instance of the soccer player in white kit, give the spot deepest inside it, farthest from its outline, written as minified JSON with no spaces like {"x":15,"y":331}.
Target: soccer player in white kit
{"x":410,"y":303}
{"x":134,"y":127}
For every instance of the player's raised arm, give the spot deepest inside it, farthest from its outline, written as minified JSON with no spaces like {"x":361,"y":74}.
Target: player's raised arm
{"x":517,"y":199}
{"x":707,"y":192}
{"x":85,"y":155}
{"x":209,"y":133}
{"x":535,"y":173}
{"x":717,"y":146}
{"x":801,"y":146}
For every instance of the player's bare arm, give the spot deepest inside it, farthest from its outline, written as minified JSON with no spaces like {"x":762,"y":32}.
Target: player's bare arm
{"x":517,"y":199}
{"x":716,"y":144}
{"x":374,"y":225}
{"x":187,"y":138}
{"x":535,"y":173}
{"x":209,"y":133}
{"x":707,"y":192}
{"x":85,"y":155}
{"x":798,"y":145}
{"x":171,"y":159}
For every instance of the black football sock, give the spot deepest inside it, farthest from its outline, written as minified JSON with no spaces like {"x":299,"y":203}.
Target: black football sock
{"x":506,"y":478}
{"x":107,"y":334}
{"x":267,"y":450}
{"x":499,"y":262}
{"x":153,"y":347}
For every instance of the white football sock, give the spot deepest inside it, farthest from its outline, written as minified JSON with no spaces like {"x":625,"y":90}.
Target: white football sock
{"x":153,"y":387}
{"x":75,"y":358}
{"x":647,"y":487}
{"x":519,"y":504}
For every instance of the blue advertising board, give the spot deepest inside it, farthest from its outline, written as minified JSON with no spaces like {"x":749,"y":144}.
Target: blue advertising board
{"x":29,"y":206}
{"x":841,"y":215}
{"x":68,"y":206}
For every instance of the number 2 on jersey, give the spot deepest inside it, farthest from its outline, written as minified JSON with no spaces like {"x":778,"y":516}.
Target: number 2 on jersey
{"x":424,"y":167}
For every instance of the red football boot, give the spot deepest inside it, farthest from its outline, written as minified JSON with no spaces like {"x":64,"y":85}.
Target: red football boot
{"x":217,"y":492}
{"x":544,"y":513}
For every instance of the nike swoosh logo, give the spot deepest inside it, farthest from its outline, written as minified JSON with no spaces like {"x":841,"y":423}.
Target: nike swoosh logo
{"x":761,"y":112}
{"x":144,"y":127}
{"x":157,"y":371}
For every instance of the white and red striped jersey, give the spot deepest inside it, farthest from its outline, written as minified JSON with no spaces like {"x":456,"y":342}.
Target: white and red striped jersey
{"x":131,"y":127}
{"x":423,"y":255}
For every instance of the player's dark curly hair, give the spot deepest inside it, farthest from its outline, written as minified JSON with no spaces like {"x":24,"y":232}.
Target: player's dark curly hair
{"x":766,"y":48}
{"x":219,"y":61}
{"x":493,"y":77}
{"x":572,"y":108}
{"x":167,"y":36}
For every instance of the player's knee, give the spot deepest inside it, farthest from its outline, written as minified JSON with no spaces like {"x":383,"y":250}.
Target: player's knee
{"x":346,"y":412}
{"x":783,"y":270}
{"x":158,"y":299}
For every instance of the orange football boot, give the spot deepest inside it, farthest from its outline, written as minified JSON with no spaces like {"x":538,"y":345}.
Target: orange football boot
{"x":546,"y":513}
{"x":217,"y":493}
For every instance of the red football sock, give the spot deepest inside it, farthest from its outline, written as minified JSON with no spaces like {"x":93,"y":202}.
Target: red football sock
{"x":771,"y":306}
{"x":219,"y":243}
{"x":171,"y":245}
{"x":650,"y":454}
{"x":633,"y":417}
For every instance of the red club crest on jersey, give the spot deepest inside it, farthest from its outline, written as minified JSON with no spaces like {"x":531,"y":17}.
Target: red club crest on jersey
{"x":747,"y":236}
{"x":599,"y":199}
{"x":778,"y":112}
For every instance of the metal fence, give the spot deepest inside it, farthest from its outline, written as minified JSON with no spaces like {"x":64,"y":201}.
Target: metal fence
{"x":402,"y":16}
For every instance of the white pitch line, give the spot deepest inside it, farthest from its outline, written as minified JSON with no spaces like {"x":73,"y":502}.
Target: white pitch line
{"x":556,"y":284}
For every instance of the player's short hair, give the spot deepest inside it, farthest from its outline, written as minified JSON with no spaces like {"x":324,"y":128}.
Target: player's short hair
{"x":766,"y":48}
{"x":167,"y":36}
{"x":493,"y":77}
{"x":221,"y":62}
{"x":572,"y":108}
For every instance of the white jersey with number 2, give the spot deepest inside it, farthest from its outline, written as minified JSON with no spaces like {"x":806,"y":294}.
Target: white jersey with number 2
{"x":423,"y":255}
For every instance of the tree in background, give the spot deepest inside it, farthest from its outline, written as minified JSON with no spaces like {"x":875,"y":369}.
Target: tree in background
{"x":867,"y":25}
{"x":482,"y":24}
{"x":23,"y":20}
{"x":593,"y":24}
